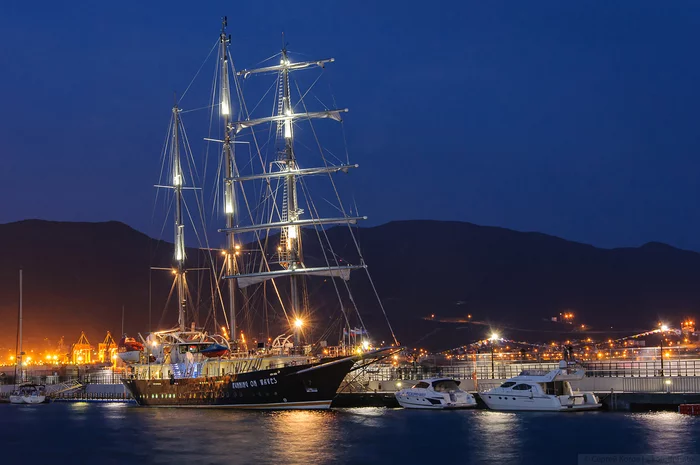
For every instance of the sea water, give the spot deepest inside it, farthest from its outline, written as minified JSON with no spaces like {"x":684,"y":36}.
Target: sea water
{"x":105,"y":434}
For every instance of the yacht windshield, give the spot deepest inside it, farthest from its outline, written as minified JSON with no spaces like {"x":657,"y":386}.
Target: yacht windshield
{"x":445,"y":385}
{"x":421,"y":385}
{"x":508,"y":384}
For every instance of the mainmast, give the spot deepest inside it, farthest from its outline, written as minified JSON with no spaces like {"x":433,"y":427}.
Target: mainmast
{"x":179,"y":254}
{"x":290,"y":215}
{"x":229,"y":192}
{"x":290,"y":235}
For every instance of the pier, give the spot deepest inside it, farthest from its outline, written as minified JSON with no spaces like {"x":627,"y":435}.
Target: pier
{"x":621,"y":385}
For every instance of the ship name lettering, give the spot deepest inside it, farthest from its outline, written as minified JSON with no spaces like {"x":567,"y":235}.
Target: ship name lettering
{"x":268,"y":381}
{"x":239,"y":384}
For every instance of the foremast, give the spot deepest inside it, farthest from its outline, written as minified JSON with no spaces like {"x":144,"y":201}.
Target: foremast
{"x":229,"y":191}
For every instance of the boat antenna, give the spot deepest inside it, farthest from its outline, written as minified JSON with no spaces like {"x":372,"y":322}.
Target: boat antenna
{"x":18,"y":351}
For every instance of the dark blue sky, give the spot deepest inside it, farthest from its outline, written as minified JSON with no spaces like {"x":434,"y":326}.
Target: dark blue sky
{"x":578,"y":119}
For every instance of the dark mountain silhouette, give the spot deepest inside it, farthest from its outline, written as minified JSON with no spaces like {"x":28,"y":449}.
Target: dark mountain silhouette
{"x":78,"y":276}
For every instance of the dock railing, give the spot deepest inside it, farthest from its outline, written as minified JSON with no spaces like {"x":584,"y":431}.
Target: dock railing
{"x":483,"y":370}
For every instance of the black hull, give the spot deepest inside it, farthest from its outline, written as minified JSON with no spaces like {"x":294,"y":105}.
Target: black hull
{"x":296,"y":387}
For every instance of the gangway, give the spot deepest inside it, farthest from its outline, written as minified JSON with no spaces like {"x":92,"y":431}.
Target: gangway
{"x":67,"y":386}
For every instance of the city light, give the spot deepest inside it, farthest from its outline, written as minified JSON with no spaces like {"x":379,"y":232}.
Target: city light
{"x":494,"y":337}
{"x":664,"y":327}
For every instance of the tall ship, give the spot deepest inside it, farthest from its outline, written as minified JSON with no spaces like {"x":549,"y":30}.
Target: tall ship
{"x":262,"y":280}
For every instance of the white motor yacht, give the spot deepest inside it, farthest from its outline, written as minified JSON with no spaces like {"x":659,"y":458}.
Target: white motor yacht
{"x":28,"y":394}
{"x":540,"y":390}
{"x":435,"y":393}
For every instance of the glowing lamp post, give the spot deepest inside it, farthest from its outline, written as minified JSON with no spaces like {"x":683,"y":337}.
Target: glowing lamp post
{"x":493,"y":339}
{"x":663,"y":329}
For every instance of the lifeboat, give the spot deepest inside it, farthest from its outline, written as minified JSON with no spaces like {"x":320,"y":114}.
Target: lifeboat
{"x":214,"y":350}
{"x":129,"y":349}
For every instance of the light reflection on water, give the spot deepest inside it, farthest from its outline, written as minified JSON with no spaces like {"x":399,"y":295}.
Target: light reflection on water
{"x":498,"y":434}
{"x":118,"y":434}
{"x":666,"y":432}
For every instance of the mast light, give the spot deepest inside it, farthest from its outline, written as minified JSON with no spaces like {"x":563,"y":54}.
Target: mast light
{"x":225,"y":108}
{"x":298,"y":323}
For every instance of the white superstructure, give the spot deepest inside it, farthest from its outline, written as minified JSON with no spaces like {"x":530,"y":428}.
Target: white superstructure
{"x":545,"y":391}
{"x":435,"y":393}
{"x":28,"y":394}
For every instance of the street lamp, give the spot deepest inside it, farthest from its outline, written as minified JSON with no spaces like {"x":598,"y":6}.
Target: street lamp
{"x":663,"y":328}
{"x":493,"y":339}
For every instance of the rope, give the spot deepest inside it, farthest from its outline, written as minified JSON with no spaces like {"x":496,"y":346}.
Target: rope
{"x":335,"y":189}
{"x":200,"y":69}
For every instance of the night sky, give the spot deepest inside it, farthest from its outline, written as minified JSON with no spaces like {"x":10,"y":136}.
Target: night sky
{"x":578,"y":119}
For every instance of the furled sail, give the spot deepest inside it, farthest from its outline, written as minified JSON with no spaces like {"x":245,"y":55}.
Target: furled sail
{"x":343,"y":272}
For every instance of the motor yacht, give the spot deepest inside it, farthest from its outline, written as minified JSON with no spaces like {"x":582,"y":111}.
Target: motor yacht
{"x":543,"y":391}
{"x":435,"y":393}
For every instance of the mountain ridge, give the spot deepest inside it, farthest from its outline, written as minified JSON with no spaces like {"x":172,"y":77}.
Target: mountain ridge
{"x":79,"y":274}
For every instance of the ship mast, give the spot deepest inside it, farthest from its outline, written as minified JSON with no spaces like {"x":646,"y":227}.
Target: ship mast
{"x":179,"y":253}
{"x":290,"y":235}
{"x":229,"y":192}
{"x":290,"y":214}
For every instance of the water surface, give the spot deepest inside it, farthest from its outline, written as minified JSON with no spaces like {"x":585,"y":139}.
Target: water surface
{"x":106,"y":434}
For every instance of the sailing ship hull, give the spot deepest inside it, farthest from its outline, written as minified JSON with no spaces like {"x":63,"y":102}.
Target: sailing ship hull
{"x":311,"y":386}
